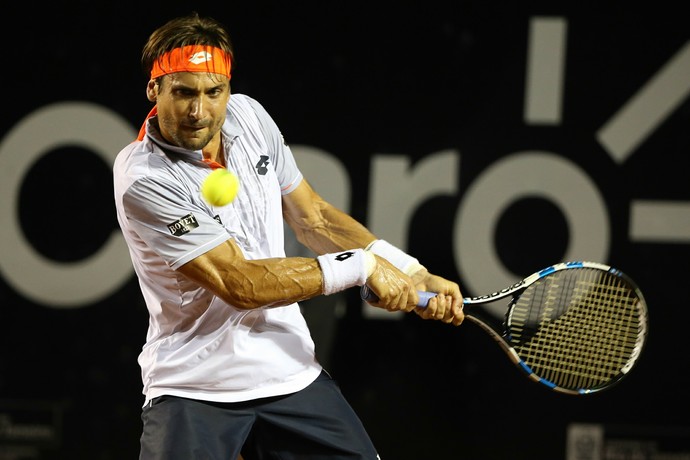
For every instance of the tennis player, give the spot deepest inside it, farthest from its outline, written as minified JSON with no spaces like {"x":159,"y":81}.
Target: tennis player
{"x":228,"y":366}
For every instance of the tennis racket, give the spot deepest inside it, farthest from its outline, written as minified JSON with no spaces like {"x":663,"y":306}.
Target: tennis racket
{"x":575,"y":327}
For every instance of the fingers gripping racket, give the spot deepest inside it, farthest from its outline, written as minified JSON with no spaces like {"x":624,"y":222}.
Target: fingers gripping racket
{"x":576,"y":327}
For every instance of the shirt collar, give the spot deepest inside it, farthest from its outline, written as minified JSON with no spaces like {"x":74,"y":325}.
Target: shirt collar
{"x":230,"y":130}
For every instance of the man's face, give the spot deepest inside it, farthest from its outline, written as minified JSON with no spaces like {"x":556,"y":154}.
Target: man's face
{"x":191,"y":107}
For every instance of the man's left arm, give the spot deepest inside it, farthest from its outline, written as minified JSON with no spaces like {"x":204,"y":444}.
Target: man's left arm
{"x":323,"y":228}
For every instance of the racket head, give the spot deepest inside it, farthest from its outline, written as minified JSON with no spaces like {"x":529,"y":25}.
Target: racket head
{"x":576,"y":327}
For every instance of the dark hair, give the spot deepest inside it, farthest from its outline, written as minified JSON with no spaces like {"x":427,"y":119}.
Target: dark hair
{"x":183,"y":31}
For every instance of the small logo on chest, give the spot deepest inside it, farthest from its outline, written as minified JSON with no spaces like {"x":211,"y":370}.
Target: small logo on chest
{"x":261,"y":166}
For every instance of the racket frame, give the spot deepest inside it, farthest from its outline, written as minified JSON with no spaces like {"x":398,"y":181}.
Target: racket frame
{"x":490,"y":323}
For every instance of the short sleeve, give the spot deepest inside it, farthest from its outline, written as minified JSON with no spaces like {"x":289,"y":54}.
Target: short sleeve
{"x":171,"y":224}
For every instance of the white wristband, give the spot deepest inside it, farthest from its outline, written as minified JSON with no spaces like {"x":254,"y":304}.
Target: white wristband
{"x":345,"y":269}
{"x":400,"y":259}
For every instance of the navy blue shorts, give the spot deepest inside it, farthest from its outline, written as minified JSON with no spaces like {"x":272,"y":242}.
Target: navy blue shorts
{"x":315,"y":423}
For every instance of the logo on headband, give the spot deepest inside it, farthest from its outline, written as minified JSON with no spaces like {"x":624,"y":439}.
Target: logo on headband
{"x":193,"y":58}
{"x":201,"y":56}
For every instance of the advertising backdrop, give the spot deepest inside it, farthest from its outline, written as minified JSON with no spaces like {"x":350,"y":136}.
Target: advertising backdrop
{"x":488,"y":139}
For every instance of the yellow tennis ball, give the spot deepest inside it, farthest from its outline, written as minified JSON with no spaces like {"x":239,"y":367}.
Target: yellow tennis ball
{"x":220,"y":187}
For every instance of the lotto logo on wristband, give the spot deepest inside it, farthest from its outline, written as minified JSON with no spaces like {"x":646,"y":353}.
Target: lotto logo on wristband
{"x":337,"y":275}
{"x":344,"y":256}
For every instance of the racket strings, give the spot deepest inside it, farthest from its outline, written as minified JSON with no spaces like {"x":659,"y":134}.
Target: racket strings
{"x":576,"y":328}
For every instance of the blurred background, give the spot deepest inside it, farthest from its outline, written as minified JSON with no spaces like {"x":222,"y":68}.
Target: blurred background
{"x":487,"y":138}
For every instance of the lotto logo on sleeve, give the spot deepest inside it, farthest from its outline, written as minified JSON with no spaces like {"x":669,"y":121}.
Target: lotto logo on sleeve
{"x":183,"y":225}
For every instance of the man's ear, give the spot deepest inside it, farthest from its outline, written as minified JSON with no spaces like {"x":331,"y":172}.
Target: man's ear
{"x":152,"y":90}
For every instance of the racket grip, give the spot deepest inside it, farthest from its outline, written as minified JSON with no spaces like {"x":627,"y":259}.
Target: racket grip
{"x":424,"y":296}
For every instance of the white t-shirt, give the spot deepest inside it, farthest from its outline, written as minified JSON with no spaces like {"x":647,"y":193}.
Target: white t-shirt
{"x":198,"y":346}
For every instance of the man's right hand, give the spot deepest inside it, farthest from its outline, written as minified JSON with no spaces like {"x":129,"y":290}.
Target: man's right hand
{"x":394,"y":289}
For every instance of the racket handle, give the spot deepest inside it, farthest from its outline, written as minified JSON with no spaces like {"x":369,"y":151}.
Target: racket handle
{"x":424,"y":296}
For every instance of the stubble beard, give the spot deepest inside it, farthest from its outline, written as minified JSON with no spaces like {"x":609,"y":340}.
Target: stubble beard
{"x":188,"y":141}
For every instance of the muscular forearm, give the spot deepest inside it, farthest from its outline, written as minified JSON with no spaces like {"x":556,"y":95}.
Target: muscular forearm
{"x":248,"y":284}
{"x":320,"y":226}
{"x":335,"y":231}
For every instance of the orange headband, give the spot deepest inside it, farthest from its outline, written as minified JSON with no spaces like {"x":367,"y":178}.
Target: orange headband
{"x":193,"y":58}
